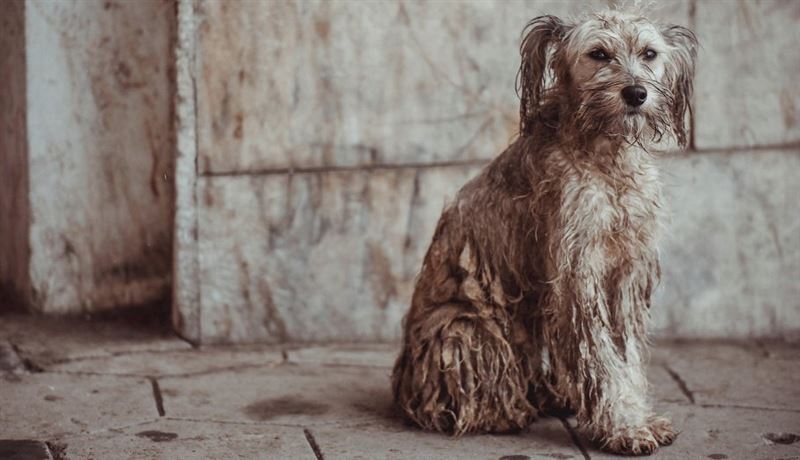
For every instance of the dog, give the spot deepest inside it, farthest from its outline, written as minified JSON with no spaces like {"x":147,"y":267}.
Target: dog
{"x":534,"y":294}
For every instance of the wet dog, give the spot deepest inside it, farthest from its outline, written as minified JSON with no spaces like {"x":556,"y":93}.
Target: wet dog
{"x":534,"y":294}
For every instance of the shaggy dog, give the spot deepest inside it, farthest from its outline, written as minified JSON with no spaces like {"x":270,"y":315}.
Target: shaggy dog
{"x":534,"y":293}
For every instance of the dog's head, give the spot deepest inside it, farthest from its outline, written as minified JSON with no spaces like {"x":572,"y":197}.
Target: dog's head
{"x":611,"y":74}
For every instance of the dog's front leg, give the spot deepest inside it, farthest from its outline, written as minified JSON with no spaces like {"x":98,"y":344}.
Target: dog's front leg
{"x":595,"y":334}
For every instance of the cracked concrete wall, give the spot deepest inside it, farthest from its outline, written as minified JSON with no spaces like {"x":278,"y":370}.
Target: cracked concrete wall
{"x":330,"y":135}
{"x":99,"y":138}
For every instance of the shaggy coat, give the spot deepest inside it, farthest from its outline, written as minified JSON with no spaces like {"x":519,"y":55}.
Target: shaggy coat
{"x":534,"y":293}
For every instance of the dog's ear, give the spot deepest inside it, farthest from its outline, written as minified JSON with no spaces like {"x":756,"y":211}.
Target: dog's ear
{"x":541,"y":35}
{"x":680,"y":75}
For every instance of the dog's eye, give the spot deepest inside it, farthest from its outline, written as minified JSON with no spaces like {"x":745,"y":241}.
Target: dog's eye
{"x":649,"y":55}
{"x":599,"y":55}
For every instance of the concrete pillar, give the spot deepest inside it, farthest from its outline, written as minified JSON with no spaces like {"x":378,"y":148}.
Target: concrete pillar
{"x":87,"y":171}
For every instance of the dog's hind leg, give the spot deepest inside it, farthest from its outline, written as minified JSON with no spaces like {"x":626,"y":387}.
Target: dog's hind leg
{"x":458,"y":373}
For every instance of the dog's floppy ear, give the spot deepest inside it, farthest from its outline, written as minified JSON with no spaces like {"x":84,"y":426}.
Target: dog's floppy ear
{"x":680,"y":74}
{"x":541,"y":34}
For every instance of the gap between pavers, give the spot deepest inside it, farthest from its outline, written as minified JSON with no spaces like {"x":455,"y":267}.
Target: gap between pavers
{"x":734,"y":374}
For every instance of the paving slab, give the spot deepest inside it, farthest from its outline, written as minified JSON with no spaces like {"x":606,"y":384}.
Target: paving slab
{"x":393,"y":439}
{"x":375,"y":354}
{"x":175,"y":363}
{"x":736,"y":375}
{"x":728,"y":433}
{"x":286,"y":394}
{"x":174,"y":439}
{"x":48,"y":340}
{"x":38,"y":406}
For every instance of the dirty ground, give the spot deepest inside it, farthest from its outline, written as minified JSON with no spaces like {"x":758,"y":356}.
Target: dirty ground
{"x":121,"y":388}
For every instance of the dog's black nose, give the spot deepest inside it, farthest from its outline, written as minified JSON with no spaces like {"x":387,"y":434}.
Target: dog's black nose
{"x":634,"y":95}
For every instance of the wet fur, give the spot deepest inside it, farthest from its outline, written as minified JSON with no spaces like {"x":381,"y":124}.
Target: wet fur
{"x":534,"y":293}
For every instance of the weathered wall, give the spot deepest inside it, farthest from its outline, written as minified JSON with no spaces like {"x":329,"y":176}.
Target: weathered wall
{"x":99,"y":153}
{"x":747,"y":91}
{"x":330,"y":135}
{"x":14,"y":217}
{"x":732,"y":257}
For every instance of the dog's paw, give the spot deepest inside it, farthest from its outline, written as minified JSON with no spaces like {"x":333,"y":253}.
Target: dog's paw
{"x":631,"y":441}
{"x":662,"y":430}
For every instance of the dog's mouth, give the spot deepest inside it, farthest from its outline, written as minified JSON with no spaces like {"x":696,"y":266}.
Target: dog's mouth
{"x":632,"y":111}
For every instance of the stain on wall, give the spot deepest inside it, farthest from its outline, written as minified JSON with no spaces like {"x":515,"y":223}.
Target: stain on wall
{"x":316,"y":256}
{"x":316,"y":83}
{"x":331,"y":133}
{"x":100,"y":142}
{"x":748,"y":73}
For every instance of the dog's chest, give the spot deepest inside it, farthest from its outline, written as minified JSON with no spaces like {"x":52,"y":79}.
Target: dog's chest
{"x":618,"y":206}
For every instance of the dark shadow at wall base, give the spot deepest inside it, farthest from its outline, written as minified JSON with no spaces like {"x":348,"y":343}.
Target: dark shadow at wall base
{"x":11,"y":300}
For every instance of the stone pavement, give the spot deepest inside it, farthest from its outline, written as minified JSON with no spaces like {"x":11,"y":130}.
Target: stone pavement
{"x":127,"y":388}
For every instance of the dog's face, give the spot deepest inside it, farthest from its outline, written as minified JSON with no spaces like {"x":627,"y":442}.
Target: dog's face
{"x":619,"y":75}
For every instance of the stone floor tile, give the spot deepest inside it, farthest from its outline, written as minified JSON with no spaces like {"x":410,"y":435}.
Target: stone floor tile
{"x":393,"y":439}
{"x":727,"y":433}
{"x":736,"y":375}
{"x":182,"y":439}
{"x":375,"y":354}
{"x":173,"y":363}
{"x":35,"y":406}
{"x":285,"y":394}
{"x":737,"y":433}
{"x":48,"y":340}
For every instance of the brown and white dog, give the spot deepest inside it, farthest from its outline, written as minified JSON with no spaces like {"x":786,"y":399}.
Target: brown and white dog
{"x":535,"y":291}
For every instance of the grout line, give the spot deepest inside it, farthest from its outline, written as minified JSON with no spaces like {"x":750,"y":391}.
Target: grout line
{"x":115,"y":354}
{"x":740,"y":406}
{"x":692,"y":150}
{"x":157,"y":396}
{"x":354,"y":168}
{"x":575,"y":438}
{"x":786,"y":146}
{"x":313,"y":443}
{"x":352,"y":422}
{"x":681,"y":383}
{"x":234,"y":422}
{"x":235,"y":367}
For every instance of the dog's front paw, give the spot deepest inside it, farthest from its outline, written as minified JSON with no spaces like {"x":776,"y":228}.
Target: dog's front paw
{"x":662,"y":430}
{"x":631,"y":441}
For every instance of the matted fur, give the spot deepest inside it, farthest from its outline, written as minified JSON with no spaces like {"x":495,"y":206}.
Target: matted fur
{"x":534,"y":293}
